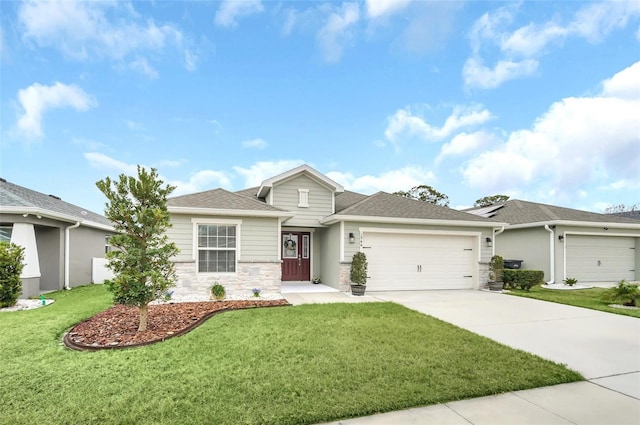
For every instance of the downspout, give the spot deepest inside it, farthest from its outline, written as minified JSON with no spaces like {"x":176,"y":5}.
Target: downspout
{"x":493,"y":249}
{"x":552,"y":252}
{"x":66,"y":254}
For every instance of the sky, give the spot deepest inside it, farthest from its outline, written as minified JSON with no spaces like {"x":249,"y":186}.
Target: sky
{"x":538,"y":100}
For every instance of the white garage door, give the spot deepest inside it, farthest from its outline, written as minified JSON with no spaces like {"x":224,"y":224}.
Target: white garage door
{"x":416,"y":262}
{"x":600,"y":258}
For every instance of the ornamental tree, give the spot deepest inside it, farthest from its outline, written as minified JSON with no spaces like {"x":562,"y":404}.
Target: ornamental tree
{"x":11,"y":265}
{"x":140,"y":258}
{"x":425,"y":193}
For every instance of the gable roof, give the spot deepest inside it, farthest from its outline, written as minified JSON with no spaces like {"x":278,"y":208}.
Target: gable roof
{"x":523,"y":213}
{"x":222,"y":202}
{"x":303,"y":169}
{"x":347,"y":198}
{"x":385,"y":207}
{"x":15,"y":199}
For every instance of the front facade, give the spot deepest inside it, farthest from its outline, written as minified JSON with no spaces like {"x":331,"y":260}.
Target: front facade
{"x":61,"y":240}
{"x":568,"y":243}
{"x":301,"y":225}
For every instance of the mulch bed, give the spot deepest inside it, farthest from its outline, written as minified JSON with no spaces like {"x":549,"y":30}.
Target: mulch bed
{"x":117,"y":327}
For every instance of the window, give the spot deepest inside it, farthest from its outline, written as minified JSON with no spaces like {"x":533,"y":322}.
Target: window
{"x":216,"y":248}
{"x":5,"y":233}
{"x":303,"y":198}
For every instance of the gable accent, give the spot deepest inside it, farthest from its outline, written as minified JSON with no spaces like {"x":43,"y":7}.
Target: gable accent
{"x":266,"y":185}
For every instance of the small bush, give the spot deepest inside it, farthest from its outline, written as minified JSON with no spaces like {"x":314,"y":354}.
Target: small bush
{"x":496,"y":267}
{"x":11,"y":265}
{"x":218,"y":292}
{"x":358,"y":272}
{"x":522,"y":279}
{"x":625,"y":293}
{"x":570,"y":281}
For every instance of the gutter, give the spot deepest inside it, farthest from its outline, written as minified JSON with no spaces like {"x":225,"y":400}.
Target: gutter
{"x":495,"y":240}
{"x":552,"y":255}
{"x":66,"y":253}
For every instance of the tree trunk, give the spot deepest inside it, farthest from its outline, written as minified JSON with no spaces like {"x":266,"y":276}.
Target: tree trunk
{"x":143,"y":318}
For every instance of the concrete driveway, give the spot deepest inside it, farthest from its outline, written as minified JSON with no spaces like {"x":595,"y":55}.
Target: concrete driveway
{"x":603,"y":347}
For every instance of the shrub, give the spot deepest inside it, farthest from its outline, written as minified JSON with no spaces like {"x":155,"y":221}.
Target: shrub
{"x":522,"y":279}
{"x":218,"y":292}
{"x":496,"y":267}
{"x":570,"y":281}
{"x":11,"y":265}
{"x":626,"y":293}
{"x":358,"y":273}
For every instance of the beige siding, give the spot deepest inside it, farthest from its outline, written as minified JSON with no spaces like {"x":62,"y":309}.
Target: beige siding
{"x":285,"y":195}
{"x":258,"y":237}
{"x":529,"y":245}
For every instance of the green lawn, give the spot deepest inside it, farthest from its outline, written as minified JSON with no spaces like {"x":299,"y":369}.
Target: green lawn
{"x":286,"y":365}
{"x":592,"y":298}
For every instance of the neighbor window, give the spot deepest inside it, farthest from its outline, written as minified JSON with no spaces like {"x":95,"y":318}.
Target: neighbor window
{"x":5,"y":233}
{"x":216,"y":248}
{"x":303,"y":198}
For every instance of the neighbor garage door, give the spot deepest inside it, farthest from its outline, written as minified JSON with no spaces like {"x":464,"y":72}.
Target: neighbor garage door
{"x":400,"y":261}
{"x":600,"y":258}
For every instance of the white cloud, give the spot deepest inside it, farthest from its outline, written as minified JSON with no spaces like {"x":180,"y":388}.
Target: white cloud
{"x":464,"y":143}
{"x":37,"y":99}
{"x":475,"y":74}
{"x":521,"y":48}
{"x":390,"y":181}
{"x":578,"y":141}
{"x":231,"y":10}
{"x":336,"y":32}
{"x":102,"y":161}
{"x":383,"y":8}
{"x":200,"y":181}
{"x":625,"y":84}
{"x":255,"y":143}
{"x":142,"y":66}
{"x":404,"y":124}
{"x":260,"y":171}
{"x":83,"y":30}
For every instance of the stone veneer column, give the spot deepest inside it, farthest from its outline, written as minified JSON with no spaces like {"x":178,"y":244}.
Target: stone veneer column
{"x":345,"y":277}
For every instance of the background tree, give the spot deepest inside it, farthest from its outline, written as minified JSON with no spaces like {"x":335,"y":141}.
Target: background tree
{"x":140,"y":259}
{"x":425,"y":193}
{"x":490,"y":200}
{"x":612,"y":209}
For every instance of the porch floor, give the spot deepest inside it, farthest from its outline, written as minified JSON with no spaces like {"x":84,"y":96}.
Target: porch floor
{"x":305,"y":287}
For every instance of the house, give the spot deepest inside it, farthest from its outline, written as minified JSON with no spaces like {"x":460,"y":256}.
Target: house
{"x":301,"y":225}
{"x":567,"y":243}
{"x":60,"y":239}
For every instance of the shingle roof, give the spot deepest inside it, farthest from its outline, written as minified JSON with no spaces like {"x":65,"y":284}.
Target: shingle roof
{"x":515,"y":211}
{"x":384,"y":204}
{"x":635,"y":214}
{"x":347,"y":198}
{"x":17,"y":197}
{"x":220,"y":199}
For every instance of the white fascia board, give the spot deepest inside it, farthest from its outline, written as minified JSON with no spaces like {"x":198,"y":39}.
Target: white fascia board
{"x":39,"y":212}
{"x":576,"y":224}
{"x":225,"y":212}
{"x":422,"y":221}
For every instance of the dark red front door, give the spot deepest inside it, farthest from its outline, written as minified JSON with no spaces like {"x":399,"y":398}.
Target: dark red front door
{"x":296,"y":256}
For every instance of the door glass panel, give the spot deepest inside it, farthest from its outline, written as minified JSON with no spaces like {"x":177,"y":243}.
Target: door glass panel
{"x":305,"y":246}
{"x":289,"y":246}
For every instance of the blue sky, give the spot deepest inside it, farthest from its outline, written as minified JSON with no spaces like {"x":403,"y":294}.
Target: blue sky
{"x":536,"y":100}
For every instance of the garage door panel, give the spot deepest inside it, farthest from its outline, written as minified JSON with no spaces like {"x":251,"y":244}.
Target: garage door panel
{"x":413,"y":262}
{"x":600,"y":258}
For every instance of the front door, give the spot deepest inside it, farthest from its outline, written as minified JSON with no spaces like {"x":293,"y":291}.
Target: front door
{"x":296,"y":256}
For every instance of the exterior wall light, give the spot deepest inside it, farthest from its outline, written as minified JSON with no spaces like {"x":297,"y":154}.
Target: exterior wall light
{"x":561,"y":238}
{"x":489,"y":242}
{"x":352,"y":238}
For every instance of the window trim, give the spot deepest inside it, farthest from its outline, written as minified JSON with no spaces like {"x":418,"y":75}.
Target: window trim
{"x":10,"y":227}
{"x":220,"y":222}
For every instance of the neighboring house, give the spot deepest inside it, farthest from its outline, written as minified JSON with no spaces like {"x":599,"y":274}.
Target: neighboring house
{"x":60,"y":239}
{"x":301,"y":225}
{"x":567,"y":243}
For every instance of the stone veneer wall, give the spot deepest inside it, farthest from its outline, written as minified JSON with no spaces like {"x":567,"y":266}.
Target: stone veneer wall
{"x":263,"y":275}
{"x":483,"y":268}
{"x":345,"y":276}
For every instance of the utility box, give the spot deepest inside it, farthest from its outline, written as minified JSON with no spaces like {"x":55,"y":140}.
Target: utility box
{"x":513,"y":264}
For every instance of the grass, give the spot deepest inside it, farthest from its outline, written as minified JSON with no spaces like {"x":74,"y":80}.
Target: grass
{"x":592,"y":298}
{"x":287,"y":365}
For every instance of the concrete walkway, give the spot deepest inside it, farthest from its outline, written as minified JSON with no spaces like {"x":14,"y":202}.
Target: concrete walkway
{"x":603,"y":347}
